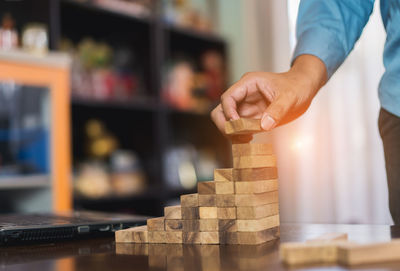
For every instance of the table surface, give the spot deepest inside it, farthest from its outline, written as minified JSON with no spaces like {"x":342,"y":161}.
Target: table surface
{"x":104,"y":254}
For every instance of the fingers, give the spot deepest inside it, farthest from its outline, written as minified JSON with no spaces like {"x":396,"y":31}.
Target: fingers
{"x":218,"y":117}
{"x":275,"y":112}
{"x":230,"y":99}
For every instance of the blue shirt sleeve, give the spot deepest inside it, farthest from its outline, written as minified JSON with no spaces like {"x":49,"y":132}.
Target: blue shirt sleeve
{"x":328,"y":29}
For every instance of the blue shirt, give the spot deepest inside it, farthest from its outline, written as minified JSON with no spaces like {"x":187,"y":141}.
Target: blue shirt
{"x":328,"y":29}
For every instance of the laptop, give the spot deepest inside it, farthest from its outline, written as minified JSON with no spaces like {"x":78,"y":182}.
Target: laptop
{"x":19,"y":229}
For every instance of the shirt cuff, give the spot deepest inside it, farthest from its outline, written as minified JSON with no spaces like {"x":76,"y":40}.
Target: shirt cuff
{"x":322,"y":43}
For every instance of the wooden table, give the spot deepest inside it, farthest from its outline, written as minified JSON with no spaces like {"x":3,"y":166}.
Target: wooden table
{"x":104,"y":254}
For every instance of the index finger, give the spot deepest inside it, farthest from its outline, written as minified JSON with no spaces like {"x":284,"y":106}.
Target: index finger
{"x":229,"y":100}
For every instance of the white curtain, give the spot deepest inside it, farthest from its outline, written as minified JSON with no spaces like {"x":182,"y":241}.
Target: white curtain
{"x":330,"y":160}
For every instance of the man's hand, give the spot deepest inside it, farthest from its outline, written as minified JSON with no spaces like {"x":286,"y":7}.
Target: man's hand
{"x":275,"y":98}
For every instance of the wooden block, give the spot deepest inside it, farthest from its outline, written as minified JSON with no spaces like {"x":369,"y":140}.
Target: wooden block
{"x":256,"y":187}
{"x":173,"y":212}
{"x":132,"y":235}
{"x":192,"y":225}
{"x":227,"y":225}
{"x":174,"y":237}
{"x":158,"y":237}
{"x":224,"y":188}
{"x":254,"y":174}
{"x":309,"y":253}
{"x":190,"y":212}
{"x":332,"y":236}
{"x":223,"y":174}
{"x":208,"y":212}
{"x":260,"y":161}
{"x":243,"y":126}
{"x":251,"y":238}
{"x":257,"y":224}
{"x":207,"y":200}
{"x":256,"y":199}
{"x":206,"y":187}
{"x":251,"y":149}
{"x":155,"y":224}
{"x":201,"y":237}
{"x":226,"y":212}
{"x":225,"y":200}
{"x":256,"y":212}
{"x":190,"y":200}
{"x":174,"y":225}
{"x":208,"y":225}
{"x":356,"y":254}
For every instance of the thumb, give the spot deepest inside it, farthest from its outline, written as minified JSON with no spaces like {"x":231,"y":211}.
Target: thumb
{"x":274,"y":113}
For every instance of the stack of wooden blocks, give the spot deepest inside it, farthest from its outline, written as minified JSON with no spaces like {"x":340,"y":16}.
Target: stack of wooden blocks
{"x":240,"y":206}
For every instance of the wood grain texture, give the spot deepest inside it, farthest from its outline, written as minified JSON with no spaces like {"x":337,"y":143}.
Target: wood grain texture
{"x":260,"y":161}
{"x":207,"y":200}
{"x":156,"y":224}
{"x":256,"y":187}
{"x":174,"y":237}
{"x":190,"y":212}
{"x":256,"y":199}
{"x":206,"y":187}
{"x":223,"y":174}
{"x":355,"y":254}
{"x":190,"y":200}
{"x":243,"y":126}
{"x":224,"y":188}
{"x":201,"y":237}
{"x":208,"y":225}
{"x":260,"y":224}
{"x":227,"y":225}
{"x":251,"y":238}
{"x":256,"y":212}
{"x":132,"y":235}
{"x":191,"y":225}
{"x":157,"y":237}
{"x":254,"y":174}
{"x":226,"y":212}
{"x":225,"y":200}
{"x":251,"y":149}
{"x":173,"y":212}
{"x":174,"y":225}
{"x":208,"y":212}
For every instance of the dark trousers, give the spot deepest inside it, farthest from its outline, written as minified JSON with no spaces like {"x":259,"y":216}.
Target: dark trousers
{"x":389,"y":128}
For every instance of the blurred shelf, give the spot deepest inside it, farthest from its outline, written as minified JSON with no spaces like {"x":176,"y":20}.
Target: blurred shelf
{"x":23,"y":182}
{"x":139,"y":104}
{"x":195,"y":34}
{"x":103,"y":9}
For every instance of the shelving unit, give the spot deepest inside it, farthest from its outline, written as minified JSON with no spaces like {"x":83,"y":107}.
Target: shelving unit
{"x":146,"y":126}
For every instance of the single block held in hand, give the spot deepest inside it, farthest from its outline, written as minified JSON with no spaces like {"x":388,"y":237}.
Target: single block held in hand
{"x":261,"y":161}
{"x":251,"y":149}
{"x":243,"y":126}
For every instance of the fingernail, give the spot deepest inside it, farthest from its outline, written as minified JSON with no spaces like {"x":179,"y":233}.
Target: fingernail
{"x":267,"y":123}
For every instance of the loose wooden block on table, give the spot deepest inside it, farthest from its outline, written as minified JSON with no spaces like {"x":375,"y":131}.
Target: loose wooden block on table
{"x":173,"y":212}
{"x":249,"y":225}
{"x":207,"y":200}
{"x":201,"y":237}
{"x":356,"y":254}
{"x":211,"y":187}
{"x":254,"y":174}
{"x":329,"y":237}
{"x":132,"y":235}
{"x":255,"y":212}
{"x":260,"y":161}
{"x":190,"y":200}
{"x":156,"y":224}
{"x":226,"y":212}
{"x":190,"y":212}
{"x":223,"y":174}
{"x":251,"y":149}
{"x":256,"y":199}
{"x":174,"y":225}
{"x":243,"y":126}
{"x":256,"y":187}
{"x":208,"y":212}
{"x":252,"y":238}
